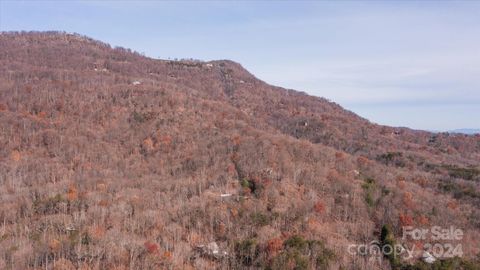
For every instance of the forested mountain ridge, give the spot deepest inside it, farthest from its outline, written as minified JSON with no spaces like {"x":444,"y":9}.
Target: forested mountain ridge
{"x":112,"y":160}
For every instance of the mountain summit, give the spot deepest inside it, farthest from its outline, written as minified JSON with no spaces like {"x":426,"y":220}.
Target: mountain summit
{"x":112,"y":160}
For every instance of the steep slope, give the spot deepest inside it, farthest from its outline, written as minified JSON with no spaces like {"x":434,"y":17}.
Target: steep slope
{"x":109,"y":160}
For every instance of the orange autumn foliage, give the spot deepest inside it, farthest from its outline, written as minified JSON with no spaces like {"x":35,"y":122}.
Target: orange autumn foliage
{"x":406,"y":220}
{"x":274,"y":245}
{"x":150,"y":247}
{"x":72,"y":193}
{"x":423,"y":220}
{"x":452,"y":205}
{"x":54,"y":245}
{"x":15,"y":155}
{"x":319,"y":207}
{"x":408,"y":200}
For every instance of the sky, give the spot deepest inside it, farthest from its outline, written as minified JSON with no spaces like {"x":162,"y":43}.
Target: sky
{"x":397,"y":63}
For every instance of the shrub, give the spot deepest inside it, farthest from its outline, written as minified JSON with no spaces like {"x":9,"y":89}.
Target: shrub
{"x":138,"y":117}
{"x":296,"y":242}
{"x":369,"y":187}
{"x":290,"y":260}
{"x":464,"y":173}
{"x":260,"y":219}
{"x":300,"y":253}
{"x":50,"y":205}
{"x":245,"y":183}
{"x":253,"y":186}
{"x":324,"y":258}
{"x":388,"y":239}
{"x":459,"y":191}
{"x":246,"y":251}
{"x":392,"y":158}
{"x":141,"y":117}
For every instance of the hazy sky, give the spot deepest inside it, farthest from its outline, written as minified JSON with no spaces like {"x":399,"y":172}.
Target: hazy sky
{"x":400,"y":63}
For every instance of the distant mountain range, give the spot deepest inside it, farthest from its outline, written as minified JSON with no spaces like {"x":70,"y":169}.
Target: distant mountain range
{"x":466,"y":131}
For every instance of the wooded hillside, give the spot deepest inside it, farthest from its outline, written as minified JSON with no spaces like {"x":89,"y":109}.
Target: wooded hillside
{"x":112,"y":160}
